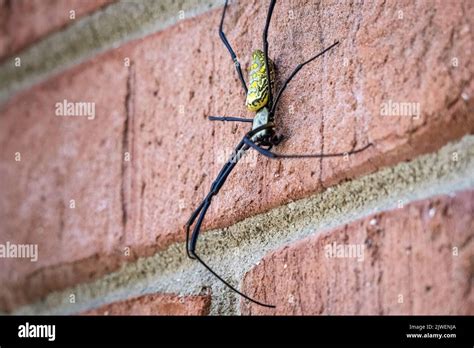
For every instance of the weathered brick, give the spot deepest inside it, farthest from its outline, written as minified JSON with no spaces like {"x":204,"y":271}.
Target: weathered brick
{"x":157,"y":304}
{"x":416,"y":260}
{"x":27,"y":21}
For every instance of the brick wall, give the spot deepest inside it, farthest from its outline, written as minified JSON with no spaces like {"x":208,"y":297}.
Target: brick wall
{"x":27,"y":21}
{"x":105,"y":198}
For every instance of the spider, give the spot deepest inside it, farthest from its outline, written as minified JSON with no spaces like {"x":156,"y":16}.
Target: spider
{"x":262,"y":137}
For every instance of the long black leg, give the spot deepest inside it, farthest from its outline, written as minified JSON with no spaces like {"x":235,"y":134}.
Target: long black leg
{"x":227,"y":118}
{"x":293,"y":74}
{"x":197,"y":226}
{"x":195,"y":214}
{"x":265,"y":49}
{"x":189,"y":223}
{"x":230,"y":286}
{"x":270,"y":154}
{"x":231,"y":51}
{"x":202,"y":210}
{"x":217,"y":181}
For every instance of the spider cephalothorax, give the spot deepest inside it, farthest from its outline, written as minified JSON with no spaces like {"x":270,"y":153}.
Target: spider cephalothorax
{"x":262,"y":137}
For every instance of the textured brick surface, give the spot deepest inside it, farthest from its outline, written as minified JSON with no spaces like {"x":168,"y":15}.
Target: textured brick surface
{"x":157,"y":109}
{"x":417,"y":260}
{"x":157,"y":305}
{"x":26,"y":21}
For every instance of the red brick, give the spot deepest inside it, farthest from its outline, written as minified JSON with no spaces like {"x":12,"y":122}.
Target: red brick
{"x":174,"y":155}
{"x":27,"y":21}
{"x":63,"y":158}
{"x":157,"y":304}
{"x":407,"y":252}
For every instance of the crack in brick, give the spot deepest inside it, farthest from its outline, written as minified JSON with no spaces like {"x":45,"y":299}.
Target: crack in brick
{"x":321,"y":128}
{"x":126,"y":142}
{"x":411,"y":282}
{"x":61,"y":219}
{"x":466,"y":241}
{"x":7,"y":7}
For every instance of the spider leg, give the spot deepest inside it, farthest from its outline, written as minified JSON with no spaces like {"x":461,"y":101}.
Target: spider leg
{"x":266,"y":152}
{"x":231,"y":51}
{"x":293,"y":74}
{"x":227,"y":118}
{"x":270,"y":154}
{"x":189,"y":223}
{"x":230,"y":286}
{"x":215,"y":187}
{"x":199,"y":209}
{"x":202,"y":209}
{"x":201,"y":212}
{"x":265,"y":49}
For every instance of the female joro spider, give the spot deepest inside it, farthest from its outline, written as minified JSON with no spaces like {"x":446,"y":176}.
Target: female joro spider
{"x":261,"y":137}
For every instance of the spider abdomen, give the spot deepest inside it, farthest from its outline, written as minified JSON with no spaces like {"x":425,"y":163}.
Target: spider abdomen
{"x":257,"y":95}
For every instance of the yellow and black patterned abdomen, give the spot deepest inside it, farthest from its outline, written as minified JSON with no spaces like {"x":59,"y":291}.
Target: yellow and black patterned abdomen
{"x":257,"y":95}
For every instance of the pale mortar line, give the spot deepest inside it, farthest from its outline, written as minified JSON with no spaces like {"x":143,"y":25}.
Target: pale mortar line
{"x":88,"y":36}
{"x":233,"y":251}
